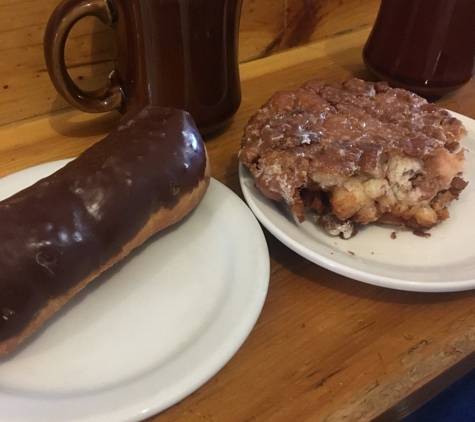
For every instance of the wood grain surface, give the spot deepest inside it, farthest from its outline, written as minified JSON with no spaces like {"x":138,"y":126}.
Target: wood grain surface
{"x":325,"y":348}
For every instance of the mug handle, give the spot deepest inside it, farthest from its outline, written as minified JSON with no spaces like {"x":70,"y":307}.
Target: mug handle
{"x":66,"y":14}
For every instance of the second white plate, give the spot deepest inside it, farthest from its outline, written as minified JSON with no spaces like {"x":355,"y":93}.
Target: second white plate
{"x":151,"y":330}
{"x":443,"y":262}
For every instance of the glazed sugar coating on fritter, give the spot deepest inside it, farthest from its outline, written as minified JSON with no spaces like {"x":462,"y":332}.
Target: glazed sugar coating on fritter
{"x":356,"y":152}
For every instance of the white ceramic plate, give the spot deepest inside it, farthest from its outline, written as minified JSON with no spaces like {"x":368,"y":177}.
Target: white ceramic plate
{"x":150,"y":331}
{"x":443,"y":262}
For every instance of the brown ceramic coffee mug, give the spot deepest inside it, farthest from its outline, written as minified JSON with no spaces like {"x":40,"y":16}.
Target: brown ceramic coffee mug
{"x":426,"y":46}
{"x":173,"y":53}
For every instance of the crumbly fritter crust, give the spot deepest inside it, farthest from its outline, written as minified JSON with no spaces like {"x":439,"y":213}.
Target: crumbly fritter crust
{"x":356,"y":153}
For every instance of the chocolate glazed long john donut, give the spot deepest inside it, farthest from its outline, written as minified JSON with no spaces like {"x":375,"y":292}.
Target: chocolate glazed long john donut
{"x":60,"y":233}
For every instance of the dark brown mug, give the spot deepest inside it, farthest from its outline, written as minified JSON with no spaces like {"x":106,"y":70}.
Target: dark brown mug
{"x":174,"y":53}
{"x":426,"y":46}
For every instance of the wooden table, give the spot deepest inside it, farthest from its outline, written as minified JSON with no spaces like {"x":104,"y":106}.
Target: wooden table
{"x":325,"y":348}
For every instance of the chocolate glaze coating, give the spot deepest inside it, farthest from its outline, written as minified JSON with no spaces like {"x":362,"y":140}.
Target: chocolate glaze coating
{"x":56,"y":232}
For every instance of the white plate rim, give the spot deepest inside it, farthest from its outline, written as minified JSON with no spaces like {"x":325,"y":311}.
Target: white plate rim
{"x":266,"y":211}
